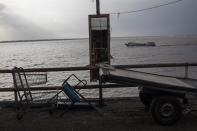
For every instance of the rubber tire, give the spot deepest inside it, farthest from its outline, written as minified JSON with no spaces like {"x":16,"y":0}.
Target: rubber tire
{"x":145,"y":99}
{"x":159,"y":103}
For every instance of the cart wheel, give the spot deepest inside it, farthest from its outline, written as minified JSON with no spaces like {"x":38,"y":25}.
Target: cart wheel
{"x":145,"y":99}
{"x":19,"y":116}
{"x":166,"y":110}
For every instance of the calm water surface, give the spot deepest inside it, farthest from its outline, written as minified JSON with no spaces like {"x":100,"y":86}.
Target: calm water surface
{"x":75,"y":53}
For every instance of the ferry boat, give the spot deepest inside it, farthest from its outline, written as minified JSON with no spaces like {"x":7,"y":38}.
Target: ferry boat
{"x":132,"y":44}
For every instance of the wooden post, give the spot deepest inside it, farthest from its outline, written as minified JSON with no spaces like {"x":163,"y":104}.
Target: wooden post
{"x":98,"y":7}
{"x":15,"y":92}
{"x":186,"y":71}
{"x":100,"y":92}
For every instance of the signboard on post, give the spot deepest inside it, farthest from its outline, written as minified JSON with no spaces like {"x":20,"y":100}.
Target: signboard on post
{"x":99,"y":42}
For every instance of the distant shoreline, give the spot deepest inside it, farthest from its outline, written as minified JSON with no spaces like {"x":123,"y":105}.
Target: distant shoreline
{"x":16,"y":41}
{"x":37,"y":40}
{"x":156,"y":36}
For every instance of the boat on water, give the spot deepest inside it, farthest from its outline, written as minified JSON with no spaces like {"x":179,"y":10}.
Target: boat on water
{"x":133,"y":44}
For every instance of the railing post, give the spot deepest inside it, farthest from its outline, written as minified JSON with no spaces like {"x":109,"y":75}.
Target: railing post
{"x":186,"y":70}
{"x":100,"y":92}
{"x":15,"y":91}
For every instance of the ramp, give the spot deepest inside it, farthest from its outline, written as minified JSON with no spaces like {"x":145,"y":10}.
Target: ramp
{"x":159,"y":82}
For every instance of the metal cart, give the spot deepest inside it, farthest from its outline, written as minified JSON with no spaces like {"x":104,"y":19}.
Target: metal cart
{"x":165,"y":96}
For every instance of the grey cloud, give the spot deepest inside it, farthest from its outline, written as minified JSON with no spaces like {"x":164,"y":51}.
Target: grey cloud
{"x":177,"y":19}
{"x":2,"y":6}
{"x":21,"y":27}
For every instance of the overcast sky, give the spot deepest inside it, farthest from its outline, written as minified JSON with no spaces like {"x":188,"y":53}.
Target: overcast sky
{"x":40,"y":19}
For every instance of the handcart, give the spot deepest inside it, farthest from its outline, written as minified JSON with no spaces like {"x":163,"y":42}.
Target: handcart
{"x":24,"y":96}
{"x":22,"y":82}
{"x":166,"y":97}
{"x":74,"y":98}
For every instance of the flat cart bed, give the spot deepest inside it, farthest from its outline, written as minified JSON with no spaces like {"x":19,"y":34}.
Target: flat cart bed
{"x":148,"y":80}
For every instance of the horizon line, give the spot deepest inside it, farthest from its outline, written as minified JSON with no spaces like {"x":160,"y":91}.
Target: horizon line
{"x":82,"y":38}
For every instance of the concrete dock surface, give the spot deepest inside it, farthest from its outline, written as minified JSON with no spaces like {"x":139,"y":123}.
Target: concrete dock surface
{"x":124,"y":114}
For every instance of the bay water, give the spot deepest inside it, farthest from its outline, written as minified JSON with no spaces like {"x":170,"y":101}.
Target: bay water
{"x":68,"y":53}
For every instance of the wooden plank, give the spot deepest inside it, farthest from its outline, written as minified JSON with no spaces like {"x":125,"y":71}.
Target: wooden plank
{"x":148,"y":77}
{"x":83,"y":68}
{"x":156,"y":65}
{"x":59,"y":87}
{"x":57,"y":69}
